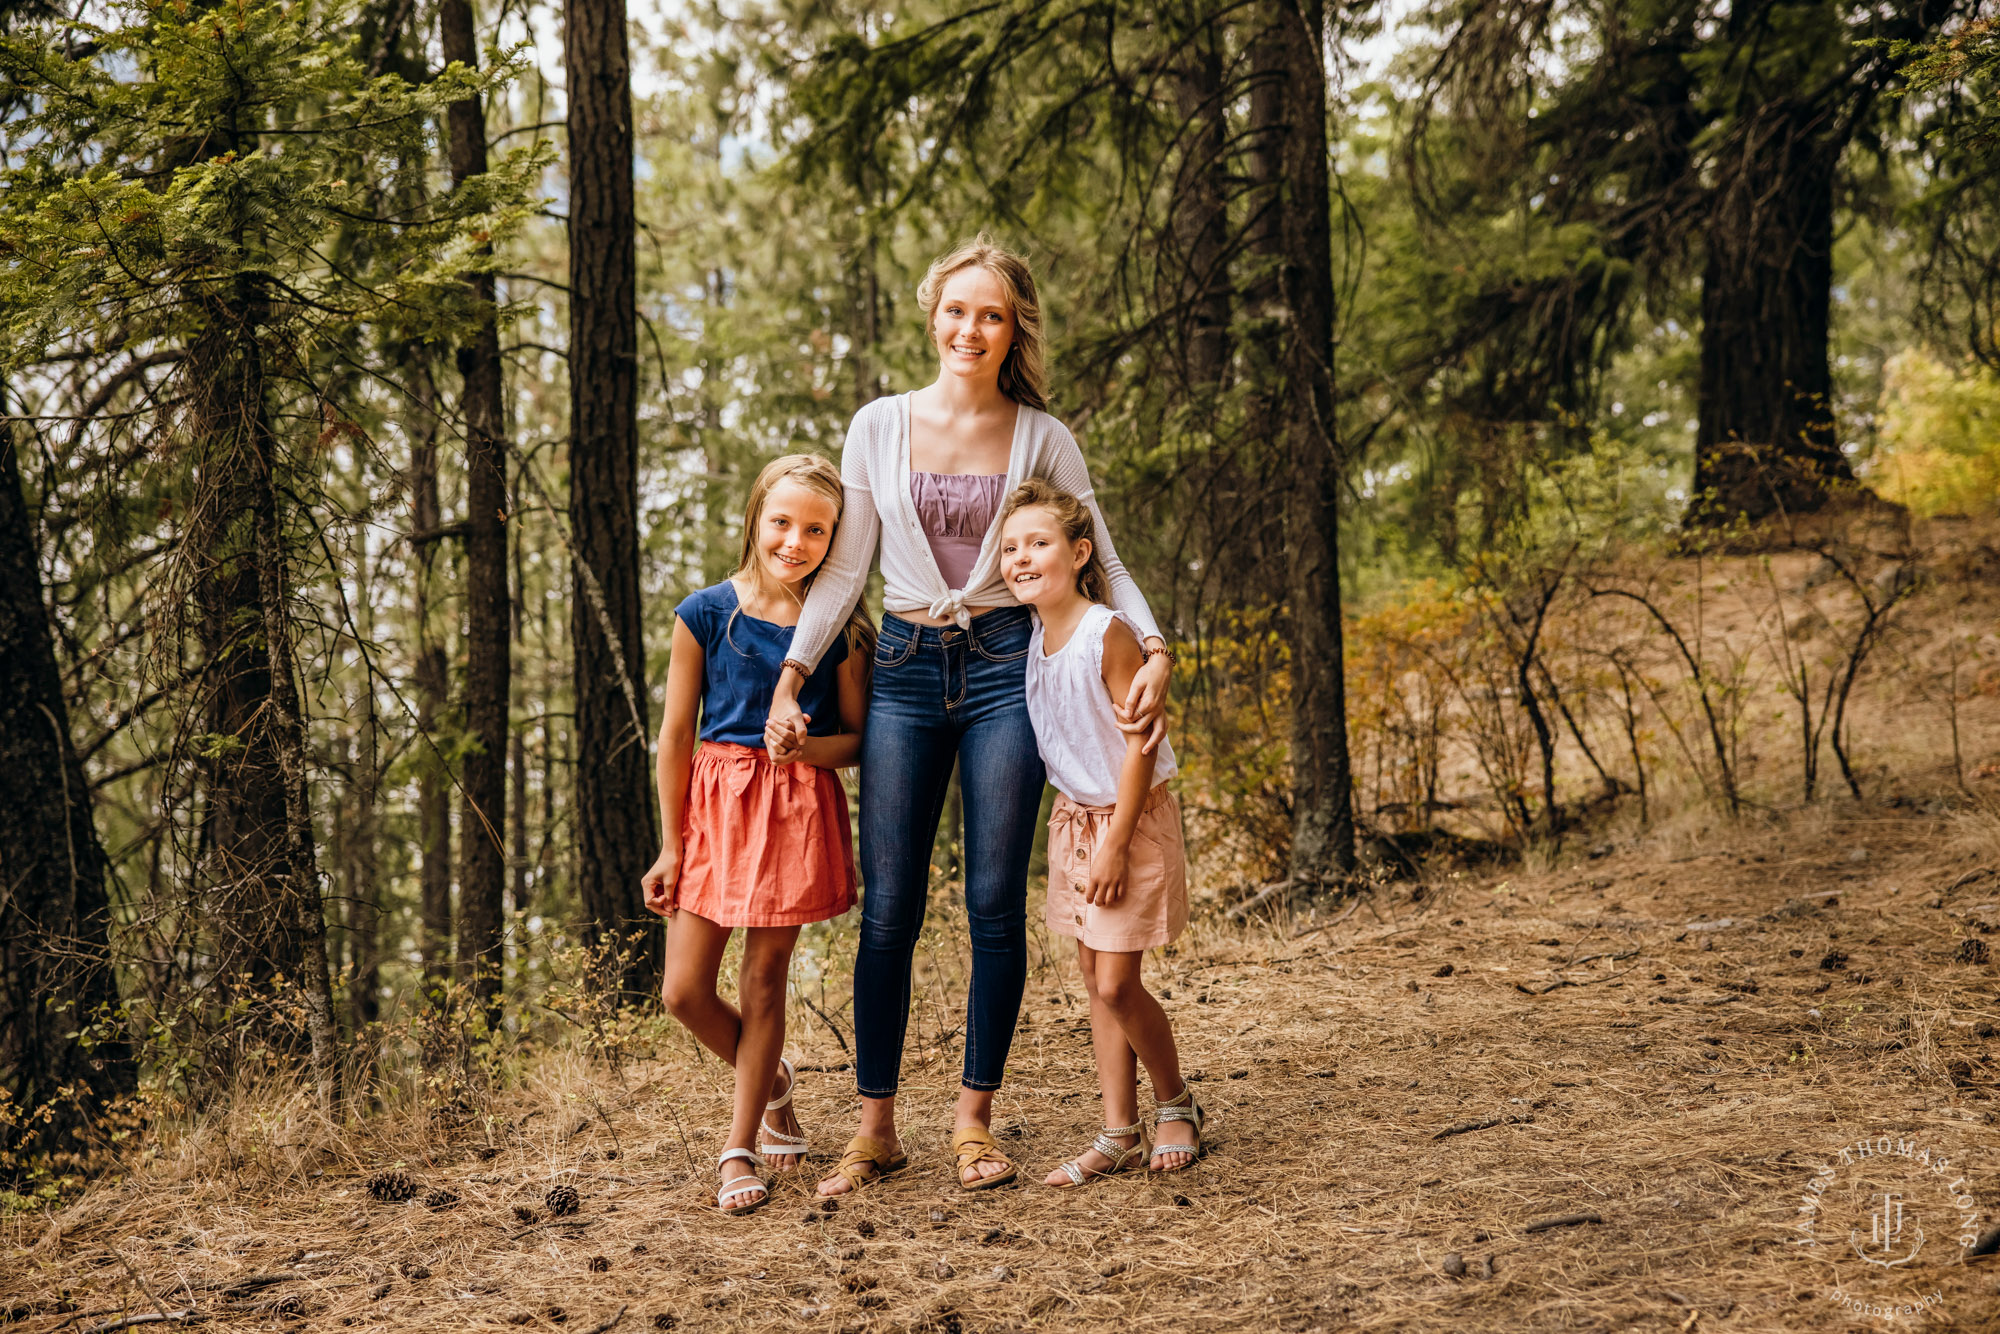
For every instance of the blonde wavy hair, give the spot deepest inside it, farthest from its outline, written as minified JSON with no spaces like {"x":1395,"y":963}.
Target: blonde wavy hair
{"x":1024,"y":374}
{"x":816,"y":473}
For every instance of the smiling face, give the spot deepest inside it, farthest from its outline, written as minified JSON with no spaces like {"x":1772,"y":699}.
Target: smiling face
{"x":974,"y":323}
{"x":793,"y":531}
{"x":1038,"y":561}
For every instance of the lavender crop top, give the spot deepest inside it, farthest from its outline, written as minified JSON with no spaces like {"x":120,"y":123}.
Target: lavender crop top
{"x":955,"y":510}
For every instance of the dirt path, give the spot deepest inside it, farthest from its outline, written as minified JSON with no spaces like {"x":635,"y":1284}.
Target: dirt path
{"x":1704,"y":1036}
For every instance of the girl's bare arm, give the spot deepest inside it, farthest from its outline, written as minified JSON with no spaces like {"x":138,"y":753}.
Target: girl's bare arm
{"x":1122,"y":662}
{"x":844,"y":747}
{"x":679,"y":727}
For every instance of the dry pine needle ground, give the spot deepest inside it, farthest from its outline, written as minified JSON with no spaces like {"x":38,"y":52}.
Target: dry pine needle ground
{"x":1682,"y":1086}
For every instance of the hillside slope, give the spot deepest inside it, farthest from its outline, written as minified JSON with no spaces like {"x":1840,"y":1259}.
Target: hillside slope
{"x":1673,"y":1042}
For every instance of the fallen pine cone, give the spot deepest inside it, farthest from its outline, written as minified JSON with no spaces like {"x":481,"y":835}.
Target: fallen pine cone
{"x":393,"y":1186}
{"x":525,"y":1214}
{"x":1972,"y":950}
{"x":562,"y":1201}
{"x":599,"y":1265}
{"x":441,"y":1199}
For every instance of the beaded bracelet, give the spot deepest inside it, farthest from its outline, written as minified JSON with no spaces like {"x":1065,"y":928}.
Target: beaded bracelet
{"x":796,"y":666}
{"x":1167,"y":653}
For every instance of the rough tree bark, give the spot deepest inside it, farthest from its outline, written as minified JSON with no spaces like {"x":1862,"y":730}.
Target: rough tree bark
{"x":360,"y":845}
{"x":482,"y":877}
{"x":718,"y":562}
{"x":1322,"y":810}
{"x":1765,"y":441}
{"x":55,"y":967}
{"x":615,"y":834}
{"x":264,"y":862}
{"x":1803,"y":86}
{"x":433,"y":694}
{"x":1201,"y":223}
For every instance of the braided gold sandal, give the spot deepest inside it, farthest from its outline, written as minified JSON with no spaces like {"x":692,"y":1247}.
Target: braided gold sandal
{"x":975,"y":1144}
{"x":1107,"y":1144}
{"x":865,"y":1162}
{"x":1180,"y":1107}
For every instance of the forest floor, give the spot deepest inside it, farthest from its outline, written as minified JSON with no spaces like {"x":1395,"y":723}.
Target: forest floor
{"x":1673,"y":1039}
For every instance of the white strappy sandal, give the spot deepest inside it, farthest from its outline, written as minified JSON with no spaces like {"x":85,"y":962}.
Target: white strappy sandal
{"x":1121,"y":1156}
{"x":1180,"y":1107}
{"x":743,"y":1185}
{"x":776,"y":1143}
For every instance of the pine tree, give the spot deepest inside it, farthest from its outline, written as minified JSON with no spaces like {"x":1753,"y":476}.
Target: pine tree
{"x":132,"y":235}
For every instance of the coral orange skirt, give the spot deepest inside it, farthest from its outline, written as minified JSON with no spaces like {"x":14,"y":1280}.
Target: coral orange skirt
{"x":763,"y":844}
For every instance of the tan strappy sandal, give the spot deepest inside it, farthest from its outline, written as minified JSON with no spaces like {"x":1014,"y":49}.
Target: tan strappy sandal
{"x":975,"y":1144}
{"x":1180,"y":1107}
{"x":1106,"y":1143}
{"x":867,"y":1161}
{"x":773,"y":1143}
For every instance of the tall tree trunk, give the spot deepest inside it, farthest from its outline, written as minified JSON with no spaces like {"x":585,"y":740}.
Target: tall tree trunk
{"x":433,"y":686}
{"x":517,"y":750}
{"x":244,"y":813}
{"x":268,"y":865}
{"x":1765,"y":442}
{"x":615,"y":834}
{"x":1201,"y":223}
{"x":482,"y":877}
{"x":361,"y":848}
{"x":717,"y":561}
{"x":55,"y":915}
{"x":1322,"y":807}
{"x":867,"y":286}
{"x":1245,"y":510}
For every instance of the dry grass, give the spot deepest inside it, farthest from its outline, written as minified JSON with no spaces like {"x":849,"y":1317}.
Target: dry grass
{"x":1684,"y":1094}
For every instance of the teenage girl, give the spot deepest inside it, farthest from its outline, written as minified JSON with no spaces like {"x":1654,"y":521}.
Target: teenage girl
{"x":747,"y":842}
{"x":1117,"y":868}
{"x":925,"y":473}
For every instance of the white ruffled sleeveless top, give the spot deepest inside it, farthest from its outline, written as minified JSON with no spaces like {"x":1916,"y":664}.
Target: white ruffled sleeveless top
{"x":1075,"y":728}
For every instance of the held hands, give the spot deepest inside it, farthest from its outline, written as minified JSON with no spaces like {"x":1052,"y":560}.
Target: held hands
{"x":662,"y":880}
{"x":1107,"y":875}
{"x":1144,"y":712}
{"x":785,"y":738}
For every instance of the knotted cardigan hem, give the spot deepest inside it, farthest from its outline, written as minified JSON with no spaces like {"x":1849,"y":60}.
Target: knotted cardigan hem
{"x":878,"y":512}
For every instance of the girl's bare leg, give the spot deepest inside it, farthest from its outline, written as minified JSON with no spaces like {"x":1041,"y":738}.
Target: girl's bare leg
{"x":1117,"y":1068}
{"x":760,"y":987}
{"x":1151,"y":1034}
{"x":693,"y":958}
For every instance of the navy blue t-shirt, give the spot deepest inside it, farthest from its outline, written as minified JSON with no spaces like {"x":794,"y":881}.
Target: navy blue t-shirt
{"x":742,"y":659}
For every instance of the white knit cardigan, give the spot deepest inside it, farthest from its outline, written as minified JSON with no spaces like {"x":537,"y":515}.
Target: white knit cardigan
{"x":875,"y":473}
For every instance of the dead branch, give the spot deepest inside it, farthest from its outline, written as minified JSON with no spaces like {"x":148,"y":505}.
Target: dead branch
{"x":1467,"y":1127}
{"x":146,"y":1318}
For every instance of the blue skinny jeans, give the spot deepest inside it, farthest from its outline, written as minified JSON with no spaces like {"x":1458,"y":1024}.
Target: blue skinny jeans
{"x":945,"y":694}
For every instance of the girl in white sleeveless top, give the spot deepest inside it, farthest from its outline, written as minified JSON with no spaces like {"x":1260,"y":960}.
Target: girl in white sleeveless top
{"x":1117,"y":867}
